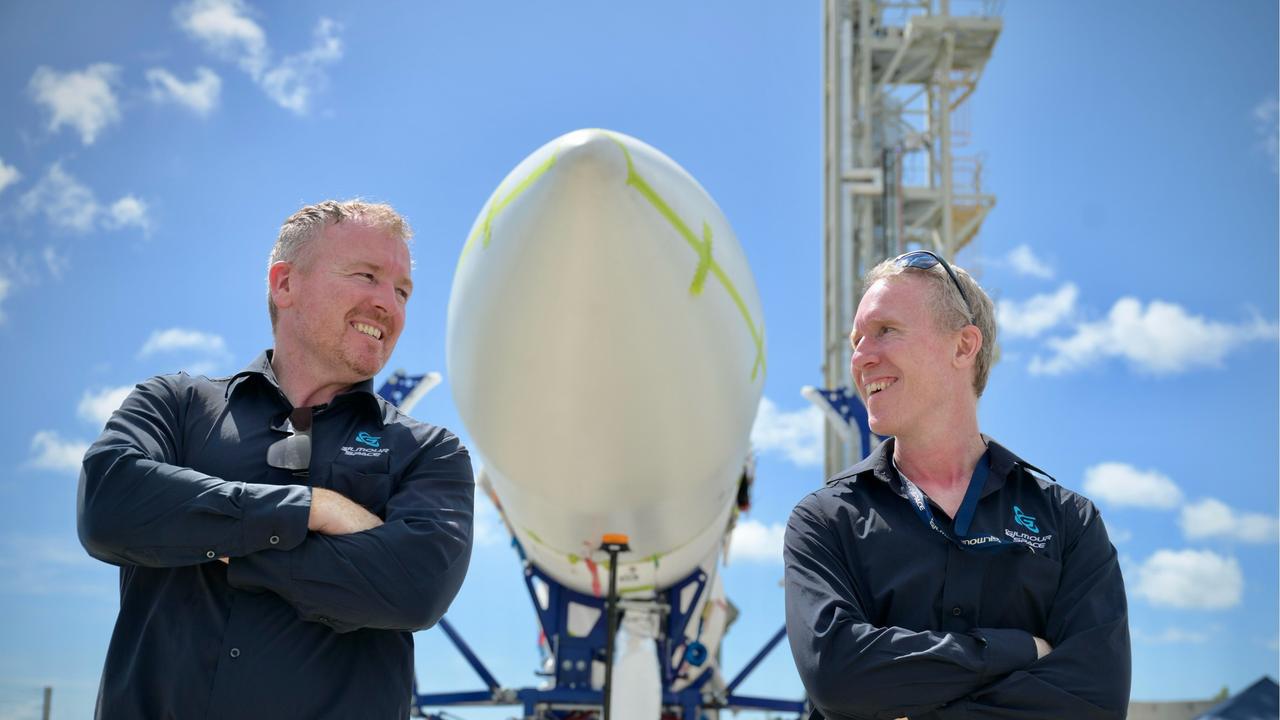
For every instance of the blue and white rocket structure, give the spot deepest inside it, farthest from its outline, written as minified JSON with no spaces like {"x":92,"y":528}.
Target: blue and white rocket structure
{"x":606,"y":352}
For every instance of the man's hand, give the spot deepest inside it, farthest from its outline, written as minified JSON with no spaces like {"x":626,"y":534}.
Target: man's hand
{"x":1042,"y":647}
{"x":334,"y":514}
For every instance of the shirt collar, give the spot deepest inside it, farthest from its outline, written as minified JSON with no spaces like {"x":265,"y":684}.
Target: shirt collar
{"x":880,"y":465}
{"x":362,"y":392}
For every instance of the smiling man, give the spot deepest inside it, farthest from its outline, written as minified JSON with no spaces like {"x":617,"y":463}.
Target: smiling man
{"x":281,"y":532}
{"x":943,"y":576}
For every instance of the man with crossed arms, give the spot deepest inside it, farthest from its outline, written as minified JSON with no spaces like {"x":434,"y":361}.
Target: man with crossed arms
{"x":943,"y":577}
{"x":281,"y":532}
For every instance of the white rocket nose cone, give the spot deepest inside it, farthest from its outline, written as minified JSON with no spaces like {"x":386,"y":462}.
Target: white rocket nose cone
{"x":606,"y":350}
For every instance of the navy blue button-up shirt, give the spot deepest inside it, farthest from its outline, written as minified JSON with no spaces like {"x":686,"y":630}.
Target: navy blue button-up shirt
{"x":889,"y":616}
{"x":298,"y":624}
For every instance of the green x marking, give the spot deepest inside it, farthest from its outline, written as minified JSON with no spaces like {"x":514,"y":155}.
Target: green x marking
{"x":703,"y":249}
{"x":701,"y":246}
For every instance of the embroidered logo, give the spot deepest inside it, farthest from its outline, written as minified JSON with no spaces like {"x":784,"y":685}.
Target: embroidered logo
{"x":1025,"y":520}
{"x":365,"y":438}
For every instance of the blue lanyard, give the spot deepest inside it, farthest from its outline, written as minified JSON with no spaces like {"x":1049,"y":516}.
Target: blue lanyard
{"x":964,"y":516}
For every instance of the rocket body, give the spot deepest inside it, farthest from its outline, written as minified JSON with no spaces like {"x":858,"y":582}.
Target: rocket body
{"x":605,"y":347}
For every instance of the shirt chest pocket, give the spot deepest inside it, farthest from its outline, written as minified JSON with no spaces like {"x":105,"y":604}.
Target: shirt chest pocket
{"x":1020,"y":588}
{"x":372,"y":490}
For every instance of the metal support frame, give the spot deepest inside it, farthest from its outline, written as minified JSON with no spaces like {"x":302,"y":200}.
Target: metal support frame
{"x":573,"y":654}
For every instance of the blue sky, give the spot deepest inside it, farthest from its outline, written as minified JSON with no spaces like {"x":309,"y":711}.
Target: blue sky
{"x":147,"y":160}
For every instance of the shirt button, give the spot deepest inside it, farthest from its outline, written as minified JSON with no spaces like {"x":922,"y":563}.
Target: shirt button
{"x":235,"y":652}
{"x":211,"y":554}
{"x":956,"y":611}
{"x":275,"y":540}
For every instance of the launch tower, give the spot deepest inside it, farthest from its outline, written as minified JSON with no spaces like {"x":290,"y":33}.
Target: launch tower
{"x":897,"y":75}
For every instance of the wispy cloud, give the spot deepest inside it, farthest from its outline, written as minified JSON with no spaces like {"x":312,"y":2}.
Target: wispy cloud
{"x":754,"y":541}
{"x":70,"y":205}
{"x":51,"y":565}
{"x":50,"y":451}
{"x":1265,"y":124}
{"x":55,"y":262}
{"x":200,"y":353}
{"x":6,"y":287}
{"x":292,"y":83}
{"x":1025,"y":262}
{"x":8,"y":175}
{"x":1123,"y":485}
{"x":82,"y":99}
{"x":1211,"y":518}
{"x":1161,"y":338}
{"x":1031,"y":317}
{"x":1190,"y":579}
{"x":228,"y":29}
{"x":487,"y":527}
{"x":96,"y":406}
{"x":181,"y":339}
{"x":1171,"y":636}
{"x":128,"y":211}
{"x":796,"y":435}
{"x":199,"y":95}
{"x":65,"y":202}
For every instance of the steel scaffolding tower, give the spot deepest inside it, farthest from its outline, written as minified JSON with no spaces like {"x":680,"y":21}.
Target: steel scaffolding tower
{"x":897,"y":74}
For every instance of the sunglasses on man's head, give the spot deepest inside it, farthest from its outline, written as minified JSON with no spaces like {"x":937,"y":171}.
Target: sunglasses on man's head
{"x":293,"y":452}
{"x":925,"y":260}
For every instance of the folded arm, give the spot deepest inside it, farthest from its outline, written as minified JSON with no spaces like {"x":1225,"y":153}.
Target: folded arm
{"x":1087,"y":674}
{"x":137,"y":506}
{"x":401,"y":574}
{"x":853,"y":669}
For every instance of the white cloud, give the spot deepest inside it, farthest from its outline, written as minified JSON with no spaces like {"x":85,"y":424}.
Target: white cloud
{"x":65,"y":202}
{"x":753,"y":541}
{"x":1117,"y":535}
{"x":52,"y":565}
{"x":1190,"y":579}
{"x":8,"y":175}
{"x":200,"y":95}
{"x":49,"y":451}
{"x":6,"y":286}
{"x":181,"y":339}
{"x":291,"y":83}
{"x":1265,"y":123}
{"x":126,"y":211}
{"x":1025,"y":262}
{"x":82,"y":99}
{"x":1171,"y":636}
{"x":96,"y":406}
{"x":797,"y":435}
{"x":70,"y":205}
{"x":54,"y":261}
{"x":1121,"y":485}
{"x":1036,"y":314}
{"x":487,"y":528}
{"x":1161,"y":339}
{"x":226,"y":28}
{"x":1210,"y":518}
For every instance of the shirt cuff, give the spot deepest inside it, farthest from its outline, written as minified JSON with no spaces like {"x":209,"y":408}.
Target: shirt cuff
{"x":1006,"y":649}
{"x":275,"y":517}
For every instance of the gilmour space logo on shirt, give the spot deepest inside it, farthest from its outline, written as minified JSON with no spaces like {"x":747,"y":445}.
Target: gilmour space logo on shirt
{"x":364,"y":438}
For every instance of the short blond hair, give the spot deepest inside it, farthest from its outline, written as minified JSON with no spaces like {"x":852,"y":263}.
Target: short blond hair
{"x":308,"y":222}
{"x":949,"y":309}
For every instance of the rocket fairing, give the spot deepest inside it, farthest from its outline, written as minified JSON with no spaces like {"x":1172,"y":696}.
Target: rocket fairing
{"x":606,"y":352}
